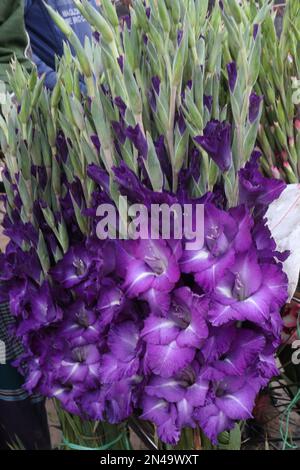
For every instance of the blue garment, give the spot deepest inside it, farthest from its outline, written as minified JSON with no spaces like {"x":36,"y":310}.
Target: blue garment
{"x":46,"y":38}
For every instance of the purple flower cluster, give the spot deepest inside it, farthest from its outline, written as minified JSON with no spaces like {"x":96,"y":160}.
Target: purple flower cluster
{"x":184,"y":338}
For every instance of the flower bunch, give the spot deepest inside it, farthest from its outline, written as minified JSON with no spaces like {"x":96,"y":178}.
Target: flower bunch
{"x":183,"y":337}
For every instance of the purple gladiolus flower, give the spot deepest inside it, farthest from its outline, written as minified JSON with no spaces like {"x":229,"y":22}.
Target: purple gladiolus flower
{"x":218,"y":253}
{"x":163,"y":414}
{"x":80,"y":365}
{"x":184,"y":337}
{"x":254,"y":106}
{"x":254,"y":189}
{"x":248,"y":291}
{"x":120,"y":132}
{"x":73,"y":268}
{"x":138,"y":139}
{"x":33,"y":307}
{"x":99,"y":176}
{"x":234,"y":397}
{"x":216,"y":141}
{"x":178,"y":398}
{"x":122,"y":361}
{"x":82,"y":326}
{"x":67,"y":395}
{"x":109,"y":304}
{"x":131,"y":186}
{"x":16,"y":264}
{"x":148,"y":264}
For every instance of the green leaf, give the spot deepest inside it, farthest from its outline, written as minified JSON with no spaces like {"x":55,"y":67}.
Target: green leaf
{"x":153,"y":167}
{"x":43,"y":254}
{"x":230,"y":440}
{"x":254,"y":60}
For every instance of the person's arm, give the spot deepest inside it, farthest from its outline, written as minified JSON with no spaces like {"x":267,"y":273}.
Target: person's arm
{"x":42,"y":68}
{"x":13,"y":37}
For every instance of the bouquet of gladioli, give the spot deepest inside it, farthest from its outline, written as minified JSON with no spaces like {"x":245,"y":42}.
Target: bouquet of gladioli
{"x":144,"y":329}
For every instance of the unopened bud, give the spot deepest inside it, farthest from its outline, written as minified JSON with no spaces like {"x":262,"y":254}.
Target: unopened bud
{"x":297,"y":124}
{"x":275,"y":172}
{"x":110,"y":11}
{"x":284,"y":156}
{"x":289,"y":173}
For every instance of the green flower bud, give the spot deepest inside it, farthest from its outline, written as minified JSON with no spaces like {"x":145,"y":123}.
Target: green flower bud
{"x":179,"y":61}
{"x":164,"y":17}
{"x":95,"y":19}
{"x":110,"y":12}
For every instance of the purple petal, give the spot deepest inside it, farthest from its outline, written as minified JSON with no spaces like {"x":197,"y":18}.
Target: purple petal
{"x":254,"y":188}
{"x":156,"y":84}
{"x":232,"y":75}
{"x":170,"y":389}
{"x":112,"y":370}
{"x":139,"y":278}
{"x":164,"y":416}
{"x":216,"y":141}
{"x":123,"y":339}
{"x":119,"y":131}
{"x":121,"y":105}
{"x":96,"y":142}
{"x":254,"y":106}
{"x":209,"y":277}
{"x":159,"y":301}
{"x":167,"y":359}
{"x":238,"y":405}
{"x":208,"y":102}
{"x":179,"y":36}
{"x":196,"y":393}
{"x":213,"y":421}
{"x":138,"y":139}
{"x":159,"y":330}
{"x":185,"y":414}
{"x":218,"y":342}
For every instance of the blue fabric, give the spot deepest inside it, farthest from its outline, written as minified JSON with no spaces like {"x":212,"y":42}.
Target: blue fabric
{"x":50,"y":74}
{"x":46,"y":39}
